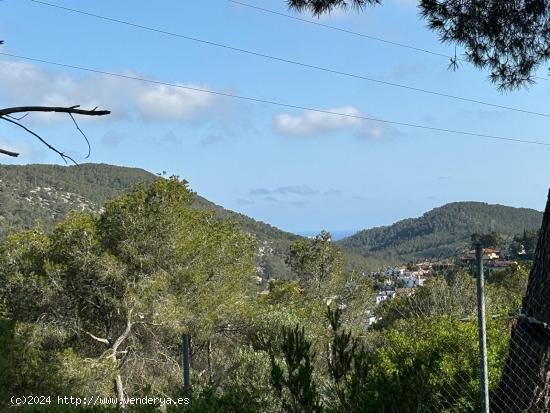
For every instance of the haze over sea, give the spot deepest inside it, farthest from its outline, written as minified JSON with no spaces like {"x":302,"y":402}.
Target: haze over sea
{"x":336,"y":235}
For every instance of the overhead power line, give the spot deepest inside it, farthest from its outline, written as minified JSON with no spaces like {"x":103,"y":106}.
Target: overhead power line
{"x":339,"y":29}
{"x":292,"y":62}
{"x":277,"y":103}
{"x":359,"y":34}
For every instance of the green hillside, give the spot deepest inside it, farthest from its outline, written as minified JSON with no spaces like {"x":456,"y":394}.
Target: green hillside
{"x":273,"y":243}
{"x":44,"y":194}
{"x":441,"y":232}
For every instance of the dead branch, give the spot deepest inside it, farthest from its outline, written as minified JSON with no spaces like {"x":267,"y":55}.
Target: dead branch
{"x":100,"y":339}
{"x":63,"y":155}
{"x":124,"y":335}
{"x":18,"y":118}
{"x":9,"y":153}
{"x":83,"y":135}
{"x":72,"y":109}
{"x":7,"y":115}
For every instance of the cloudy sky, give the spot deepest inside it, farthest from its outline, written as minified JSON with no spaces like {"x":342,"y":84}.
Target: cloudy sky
{"x":296,"y":169}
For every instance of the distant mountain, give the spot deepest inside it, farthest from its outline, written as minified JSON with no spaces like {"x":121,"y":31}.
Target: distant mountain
{"x":44,"y":194}
{"x":441,"y":232}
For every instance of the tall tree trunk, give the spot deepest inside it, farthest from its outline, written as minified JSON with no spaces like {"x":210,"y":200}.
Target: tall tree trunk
{"x":119,"y":388}
{"x":525,"y":383}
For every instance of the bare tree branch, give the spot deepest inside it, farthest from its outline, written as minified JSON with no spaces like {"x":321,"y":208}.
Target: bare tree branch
{"x":6,"y":114}
{"x":9,"y":153}
{"x":72,"y":109}
{"x":63,"y":155}
{"x":101,"y":340}
{"x":83,"y":135}
{"x":18,"y":118}
{"x":124,"y":335}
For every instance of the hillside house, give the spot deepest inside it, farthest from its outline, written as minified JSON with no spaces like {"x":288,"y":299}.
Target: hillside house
{"x":384,"y":295}
{"x":488,"y":254}
{"x":410,"y":281}
{"x":370,"y":319}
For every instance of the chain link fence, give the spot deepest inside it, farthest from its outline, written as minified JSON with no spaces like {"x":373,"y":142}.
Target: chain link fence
{"x":523,"y":384}
{"x":469,"y":346}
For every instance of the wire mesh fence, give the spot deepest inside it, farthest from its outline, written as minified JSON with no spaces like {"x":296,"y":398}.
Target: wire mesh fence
{"x":523,"y":384}
{"x":458,"y":363}
{"x":513,"y":373}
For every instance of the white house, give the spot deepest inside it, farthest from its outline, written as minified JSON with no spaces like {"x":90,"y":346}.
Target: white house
{"x":384,"y":295}
{"x":410,"y":281}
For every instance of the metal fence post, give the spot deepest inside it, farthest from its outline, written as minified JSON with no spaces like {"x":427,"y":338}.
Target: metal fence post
{"x":484,"y":379}
{"x":185,"y":355}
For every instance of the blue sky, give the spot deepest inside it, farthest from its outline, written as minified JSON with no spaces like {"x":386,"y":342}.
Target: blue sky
{"x":299,"y":171}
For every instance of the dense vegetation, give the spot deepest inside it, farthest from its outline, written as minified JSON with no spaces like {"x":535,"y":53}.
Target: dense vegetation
{"x":46,"y":193}
{"x":97,"y":307}
{"x":442,"y":232}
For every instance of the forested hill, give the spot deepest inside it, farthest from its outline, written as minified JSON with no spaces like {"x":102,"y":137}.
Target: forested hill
{"x":441,"y":232}
{"x":45,"y":193}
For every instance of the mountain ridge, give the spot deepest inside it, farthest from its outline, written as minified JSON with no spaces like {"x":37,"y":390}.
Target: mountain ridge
{"x":442,"y":231}
{"x":45,"y":193}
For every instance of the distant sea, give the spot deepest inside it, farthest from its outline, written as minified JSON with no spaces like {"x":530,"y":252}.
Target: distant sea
{"x":336,"y":235}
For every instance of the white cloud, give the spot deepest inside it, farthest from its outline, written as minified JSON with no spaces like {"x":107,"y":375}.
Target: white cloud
{"x":169,"y":103}
{"x":311,"y":123}
{"x":23,"y":83}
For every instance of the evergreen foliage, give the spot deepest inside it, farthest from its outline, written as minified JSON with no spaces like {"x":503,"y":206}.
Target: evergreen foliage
{"x":442,"y":232}
{"x":509,"y":38}
{"x":44,"y":195}
{"x":295,"y":383}
{"x":342,"y":348}
{"x":96,"y":306}
{"x":98,"y":303}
